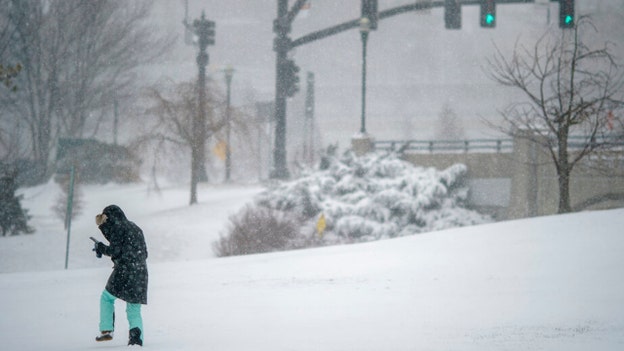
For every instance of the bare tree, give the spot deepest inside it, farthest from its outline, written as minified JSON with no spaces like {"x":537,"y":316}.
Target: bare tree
{"x":174,"y":114}
{"x":78,"y":56}
{"x":573,"y":89}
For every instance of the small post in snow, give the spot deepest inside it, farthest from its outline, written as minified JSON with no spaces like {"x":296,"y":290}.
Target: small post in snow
{"x":68,"y":214}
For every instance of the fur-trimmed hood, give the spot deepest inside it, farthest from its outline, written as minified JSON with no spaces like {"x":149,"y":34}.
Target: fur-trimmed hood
{"x":114,"y":213}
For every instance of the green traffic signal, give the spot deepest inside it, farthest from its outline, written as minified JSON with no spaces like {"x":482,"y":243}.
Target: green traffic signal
{"x":566,"y":14}
{"x":488,"y":13}
{"x":488,"y":20}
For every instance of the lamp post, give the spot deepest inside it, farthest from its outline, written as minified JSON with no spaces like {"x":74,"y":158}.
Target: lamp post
{"x":365,"y":28}
{"x":229,"y":72}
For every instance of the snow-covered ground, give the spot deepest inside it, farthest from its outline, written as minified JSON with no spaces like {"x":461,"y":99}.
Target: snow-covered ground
{"x":174,"y":231}
{"x":550,"y":283}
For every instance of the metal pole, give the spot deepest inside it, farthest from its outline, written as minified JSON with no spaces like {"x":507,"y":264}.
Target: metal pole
{"x":364,"y":29}
{"x":204,"y":29}
{"x":115,"y":120}
{"x":202,"y":62}
{"x":308,"y":144}
{"x":282,"y":46}
{"x":229,"y":72}
{"x":70,"y":201}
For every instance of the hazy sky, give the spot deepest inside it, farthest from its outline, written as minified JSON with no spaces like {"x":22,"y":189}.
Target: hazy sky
{"x":415,"y":65}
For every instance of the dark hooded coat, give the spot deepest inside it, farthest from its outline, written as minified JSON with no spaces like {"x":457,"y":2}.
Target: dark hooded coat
{"x":128,"y":252}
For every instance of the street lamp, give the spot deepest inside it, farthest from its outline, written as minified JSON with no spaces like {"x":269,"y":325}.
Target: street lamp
{"x":229,"y":72}
{"x":365,"y":28}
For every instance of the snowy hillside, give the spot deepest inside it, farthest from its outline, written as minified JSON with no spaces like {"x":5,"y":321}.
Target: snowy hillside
{"x":550,"y":283}
{"x":172,"y":228}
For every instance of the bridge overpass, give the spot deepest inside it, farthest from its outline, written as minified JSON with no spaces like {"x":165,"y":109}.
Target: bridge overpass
{"x":516,"y":178}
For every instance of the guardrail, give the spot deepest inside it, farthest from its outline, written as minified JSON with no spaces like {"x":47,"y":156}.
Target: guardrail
{"x":473,"y":145}
{"x":575,"y":142}
{"x":604,"y":141}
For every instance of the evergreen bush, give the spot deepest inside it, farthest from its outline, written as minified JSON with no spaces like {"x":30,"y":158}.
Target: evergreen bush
{"x":13,"y":218}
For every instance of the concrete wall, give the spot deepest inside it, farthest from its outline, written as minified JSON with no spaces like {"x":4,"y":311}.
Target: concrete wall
{"x":490,"y":175}
{"x":596,"y":183}
{"x":523,"y":182}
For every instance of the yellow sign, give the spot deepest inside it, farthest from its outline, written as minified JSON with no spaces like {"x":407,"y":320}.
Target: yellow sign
{"x":320,"y":225}
{"x":220,"y":150}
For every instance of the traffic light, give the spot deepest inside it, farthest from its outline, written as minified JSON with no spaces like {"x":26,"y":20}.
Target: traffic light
{"x":205,"y":31}
{"x":566,"y":13}
{"x":488,"y":13}
{"x":291,"y":78}
{"x":369,"y":10}
{"x":452,"y":14}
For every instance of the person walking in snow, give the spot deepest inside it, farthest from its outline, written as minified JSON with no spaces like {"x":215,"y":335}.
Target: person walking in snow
{"x":128,"y":281}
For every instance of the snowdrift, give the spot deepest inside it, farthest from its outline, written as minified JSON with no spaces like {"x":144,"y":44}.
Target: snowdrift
{"x":551,"y":283}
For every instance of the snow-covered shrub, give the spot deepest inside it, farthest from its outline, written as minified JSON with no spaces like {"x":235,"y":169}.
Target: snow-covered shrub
{"x":373,"y":197}
{"x":258,"y":230}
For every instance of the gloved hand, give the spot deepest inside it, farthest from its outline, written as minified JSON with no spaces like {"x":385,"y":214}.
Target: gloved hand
{"x":99,"y":249}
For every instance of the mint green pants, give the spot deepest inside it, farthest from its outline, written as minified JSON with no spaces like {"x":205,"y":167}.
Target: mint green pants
{"x":107,"y":313}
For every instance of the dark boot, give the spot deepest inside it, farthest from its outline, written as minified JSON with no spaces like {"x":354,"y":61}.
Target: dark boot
{"x":105,"y":335}
{"x":135,"y":337}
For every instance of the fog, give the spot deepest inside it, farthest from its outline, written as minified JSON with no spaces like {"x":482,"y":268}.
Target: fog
{"x":415,"y":65}
{"x":415,"y":69}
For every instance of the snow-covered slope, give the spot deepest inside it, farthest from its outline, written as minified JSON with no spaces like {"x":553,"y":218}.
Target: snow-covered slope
{"x":173,"y":230}
{"x":550,"y":283}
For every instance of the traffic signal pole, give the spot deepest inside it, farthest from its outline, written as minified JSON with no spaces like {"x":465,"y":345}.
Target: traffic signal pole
{"x":327,"y":32}
{"x":205,"y":31}
{"x":417,"y":6}
{"x":281,"y":47}
{"x":283,"y":44}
